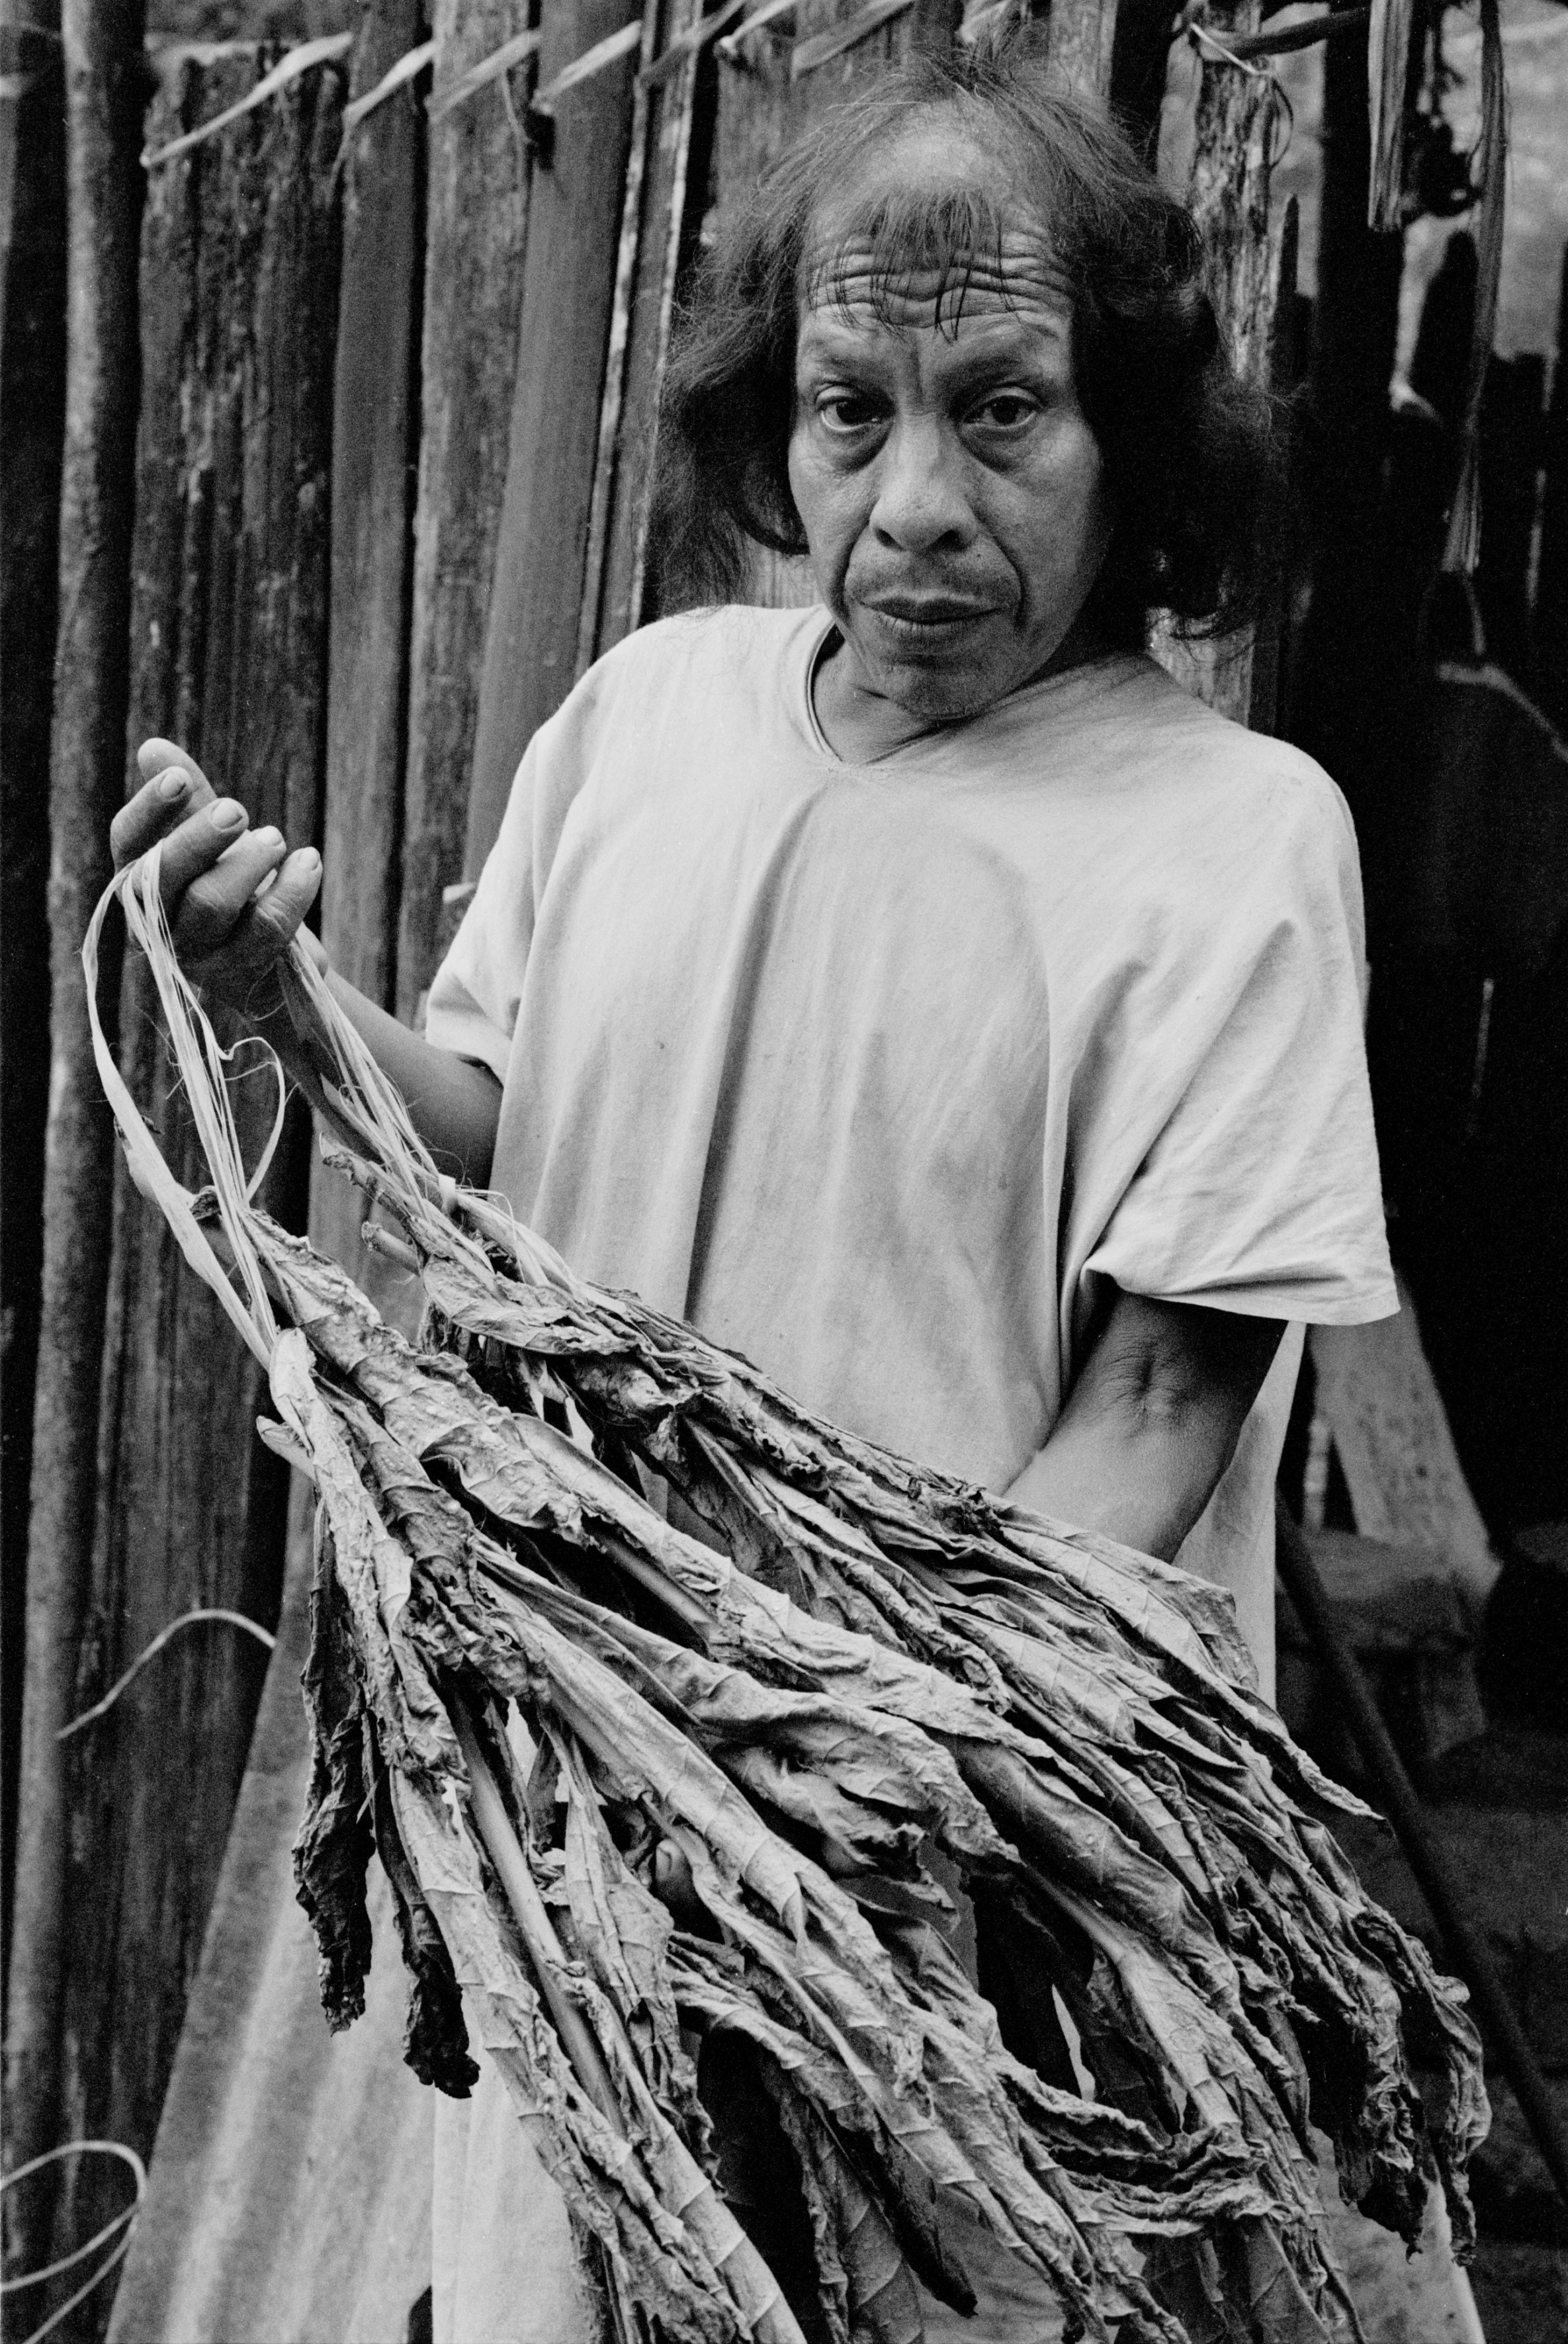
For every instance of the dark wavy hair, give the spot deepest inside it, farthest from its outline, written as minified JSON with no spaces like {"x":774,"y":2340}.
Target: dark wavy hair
{"x":1189,"y":447}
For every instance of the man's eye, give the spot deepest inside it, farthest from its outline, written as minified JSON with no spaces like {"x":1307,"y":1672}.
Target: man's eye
{"x":847,"y":410}
{"x":1006,"y":410}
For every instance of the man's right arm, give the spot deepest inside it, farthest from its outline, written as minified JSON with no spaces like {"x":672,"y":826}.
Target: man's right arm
{"x":235,"y":899}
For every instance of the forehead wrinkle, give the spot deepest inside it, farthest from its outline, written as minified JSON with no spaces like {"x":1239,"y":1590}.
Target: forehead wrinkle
{"x":892,"y":267}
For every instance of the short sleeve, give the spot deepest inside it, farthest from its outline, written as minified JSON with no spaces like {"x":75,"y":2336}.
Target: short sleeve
{"x":473,"y":1001}
{"x":1261,"y":1191}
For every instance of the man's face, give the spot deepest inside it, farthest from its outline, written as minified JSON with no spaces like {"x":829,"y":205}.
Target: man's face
{"x":950,"y":488}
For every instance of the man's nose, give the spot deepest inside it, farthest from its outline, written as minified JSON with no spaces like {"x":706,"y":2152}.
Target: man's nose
{"x":921,"y":499}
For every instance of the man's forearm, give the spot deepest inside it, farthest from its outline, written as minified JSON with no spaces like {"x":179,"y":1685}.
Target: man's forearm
{"x":455,"y":1104}
{"x":1152,"y":1422}
{"x":1144,"y":1486}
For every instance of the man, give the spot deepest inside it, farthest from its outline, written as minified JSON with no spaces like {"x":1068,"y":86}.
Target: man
{"x":920,"y":992}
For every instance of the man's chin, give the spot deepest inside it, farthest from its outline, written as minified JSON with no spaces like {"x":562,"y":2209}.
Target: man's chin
{"x":939,"y":691}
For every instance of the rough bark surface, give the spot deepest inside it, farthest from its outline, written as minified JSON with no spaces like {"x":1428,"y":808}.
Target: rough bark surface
{"x":652,"y":220}
{"x":227,"y":656}
{"x":374,"y":457}
{"x":33,"y":402}
{"x":1229,"y":196}
{"x":103,"y":66}
{"x":374,"y":444}
{"x":1080,"y":38}
{"x":568,"y":291}
{"x":476,"y":220}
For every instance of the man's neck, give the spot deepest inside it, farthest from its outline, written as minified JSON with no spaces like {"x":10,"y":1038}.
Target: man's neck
{"x":863,"y":726}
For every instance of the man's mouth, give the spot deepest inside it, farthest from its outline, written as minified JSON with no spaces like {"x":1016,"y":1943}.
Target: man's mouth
{"x":929,"y":614}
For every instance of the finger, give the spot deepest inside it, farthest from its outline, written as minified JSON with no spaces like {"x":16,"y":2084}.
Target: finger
{"x":168,"y":797}
{"x":210,"y":907}
{"x":196,"y":846}
{"x":157,"y":756}
{"x":173,"y":786}
{"x":267,"y":924}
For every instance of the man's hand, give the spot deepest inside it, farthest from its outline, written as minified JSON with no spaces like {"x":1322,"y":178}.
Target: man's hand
{"x":233,"y":896}
{"x":1152,"y":1422}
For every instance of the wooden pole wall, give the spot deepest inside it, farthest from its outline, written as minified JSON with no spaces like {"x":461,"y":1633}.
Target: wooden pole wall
{"x":374,"y":450}
{"x":33,"y":406}
{"x":1228,"y":192}
{"x":375,"y":454}
{"x":477,"y":221}
{"x":569,"y":275}
{"x":228,"y":636}
{"x":103,"y":66}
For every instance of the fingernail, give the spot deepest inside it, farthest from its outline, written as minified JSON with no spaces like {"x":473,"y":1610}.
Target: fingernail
{"x":310,"y":858}
{"x":171,"y":786}
{"x":228,"y":815}
{"x":268,"y":836}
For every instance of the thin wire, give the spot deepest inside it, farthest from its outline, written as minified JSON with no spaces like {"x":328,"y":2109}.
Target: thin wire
{"x":115,"y":2254}
{"x":185,"y":1620}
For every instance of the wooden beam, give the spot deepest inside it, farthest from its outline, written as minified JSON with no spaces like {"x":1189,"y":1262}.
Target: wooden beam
{"x":1079,"y":38}
{"x":33,"y":402}
{"x":568,"y":289}
{"x":374,"y":424}
{"x":474,"y":241}
{"x":227,"y":633}
{"x":102,"y":68}
{"x":374,"y":428}
{"x":1228,"y":192}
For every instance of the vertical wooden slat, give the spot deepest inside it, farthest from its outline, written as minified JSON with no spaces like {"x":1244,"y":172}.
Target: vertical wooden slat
{"x":477,"y":218}
{"x":373,"y":454}
{"x":629,"y":259}
{"x":661,"y":230}
{"x":228,"y":639}
{"x":1081,"y":36}
{"x":568,"y":274}
{"x":374,"y":424}
{"x":33,"y":404}
{"x":102,"y":48}
{"x":1229,"y":196}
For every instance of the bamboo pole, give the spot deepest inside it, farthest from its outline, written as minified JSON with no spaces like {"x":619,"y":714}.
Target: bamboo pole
{"x":33,"y":403}
{"x":102,"y":61}
{"x":474,"y":243}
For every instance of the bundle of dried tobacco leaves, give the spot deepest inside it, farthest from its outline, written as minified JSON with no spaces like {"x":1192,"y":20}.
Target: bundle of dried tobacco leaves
{"x":765,"y":1770}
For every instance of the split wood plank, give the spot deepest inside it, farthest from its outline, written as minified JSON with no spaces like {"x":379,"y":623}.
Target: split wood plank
{"x":1228,"y":193}
{"x":656,"y":233}
{"x":375,"y":419}
{"x":33,"y":403}
{"x":475,"y":223}
{"x":102,"y":42}
{"x":228,"y":633}
{"x":1079,"y":38}
{"x":568,"y":291}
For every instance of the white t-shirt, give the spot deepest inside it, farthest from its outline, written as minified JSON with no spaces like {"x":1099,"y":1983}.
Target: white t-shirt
{"x":872,"y":1072}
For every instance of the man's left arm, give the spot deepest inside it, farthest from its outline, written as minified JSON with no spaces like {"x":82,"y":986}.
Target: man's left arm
{"x":1151,"y":1422}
